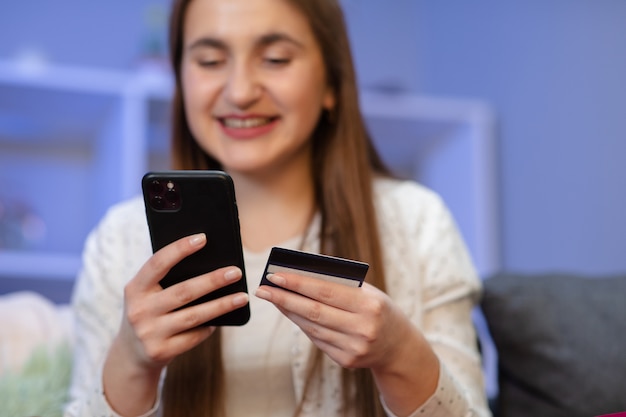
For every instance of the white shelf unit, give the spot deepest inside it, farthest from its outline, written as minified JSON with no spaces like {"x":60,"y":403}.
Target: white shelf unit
{"x":74,"y":141}
{"x":449,"y":146}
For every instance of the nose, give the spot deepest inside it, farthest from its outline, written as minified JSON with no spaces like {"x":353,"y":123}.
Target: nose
{"x":242,"y":86}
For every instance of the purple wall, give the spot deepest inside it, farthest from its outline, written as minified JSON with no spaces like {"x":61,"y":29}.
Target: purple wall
{"x":553,"y":71}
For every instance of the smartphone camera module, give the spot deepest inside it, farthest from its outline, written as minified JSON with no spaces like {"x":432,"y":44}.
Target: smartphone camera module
{"x":164,"y":195}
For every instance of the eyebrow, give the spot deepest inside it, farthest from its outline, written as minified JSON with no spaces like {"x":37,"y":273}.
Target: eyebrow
{"x":276,"y":37}
{"x":262,"y":41}
{"x":207,"y":42}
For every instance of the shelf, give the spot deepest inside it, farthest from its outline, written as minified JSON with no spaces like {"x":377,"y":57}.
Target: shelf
{"x":41,"y":265}
{"x":29,"y":114}
{"x":449,"y":146}
{"x":67,"y":153}
{"x":64,"y":78}
{"x":74,"y":141}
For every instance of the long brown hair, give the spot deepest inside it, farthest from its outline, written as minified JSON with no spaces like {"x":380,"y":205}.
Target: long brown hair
{"x":345,"y":163}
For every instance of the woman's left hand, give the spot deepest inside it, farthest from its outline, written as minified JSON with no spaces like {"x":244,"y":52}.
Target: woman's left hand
{"x":356,"y":327}
{"x":361,"y":328}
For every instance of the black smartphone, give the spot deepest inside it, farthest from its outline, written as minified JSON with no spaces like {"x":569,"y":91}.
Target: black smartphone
{"x":183,"y":203}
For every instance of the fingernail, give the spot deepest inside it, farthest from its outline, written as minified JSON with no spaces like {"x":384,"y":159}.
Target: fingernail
{"x":240,"y":300}
{"x":261,"y":293}
{"x":198,"y":239}
{"x":276,"y":279}
{"x":232,"y":274}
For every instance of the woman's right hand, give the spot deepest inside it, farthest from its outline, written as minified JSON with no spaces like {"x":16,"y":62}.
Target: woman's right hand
{"x":153,"y":331}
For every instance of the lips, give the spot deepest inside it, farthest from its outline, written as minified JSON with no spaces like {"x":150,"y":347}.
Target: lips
{"x":247,"y":127}
{"x":245,"y":123}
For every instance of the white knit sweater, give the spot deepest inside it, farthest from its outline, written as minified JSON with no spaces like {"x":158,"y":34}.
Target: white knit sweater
{"x":429,"y":275}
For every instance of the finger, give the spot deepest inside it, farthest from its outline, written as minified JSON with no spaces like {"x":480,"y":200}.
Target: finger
{"x":314,"y":329}
{"x":164,"y":259}
{"x":329,"y":293}
{"x":297,"y":307}
{"x":162,"y":351}
{"x":184,"y":292}
{"x":183,"y":342}
{"x":188,"y":318}
{"x":350,"y":345}
{"x":344,"y":356}
{"x":343,"y":347}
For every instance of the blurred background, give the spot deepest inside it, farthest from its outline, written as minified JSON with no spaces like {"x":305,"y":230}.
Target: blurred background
{"x":514,"y":111}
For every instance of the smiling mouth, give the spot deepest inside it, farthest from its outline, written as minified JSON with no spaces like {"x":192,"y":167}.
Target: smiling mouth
{"x":247,"y":123}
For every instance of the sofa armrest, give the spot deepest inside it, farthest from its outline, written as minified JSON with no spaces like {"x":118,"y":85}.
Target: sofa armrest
{"x":560,"y":341}
{"x":30,"y":321}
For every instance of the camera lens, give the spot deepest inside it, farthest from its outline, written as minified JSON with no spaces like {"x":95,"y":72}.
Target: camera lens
{"x":157,"y":202}
{"x":172,"y":197}
{"x":156,"y":187}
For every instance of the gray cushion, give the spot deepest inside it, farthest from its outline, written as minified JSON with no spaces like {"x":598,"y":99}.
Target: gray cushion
{"x":561,"y":343}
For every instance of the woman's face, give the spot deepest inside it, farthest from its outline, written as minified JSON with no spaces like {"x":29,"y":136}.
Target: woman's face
{"x":253,"y":82}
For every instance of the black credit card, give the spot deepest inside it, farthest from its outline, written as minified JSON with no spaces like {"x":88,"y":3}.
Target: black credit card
{"x":328,"y":268}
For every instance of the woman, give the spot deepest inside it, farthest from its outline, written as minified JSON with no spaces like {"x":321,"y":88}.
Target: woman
{"x":265,"y":90}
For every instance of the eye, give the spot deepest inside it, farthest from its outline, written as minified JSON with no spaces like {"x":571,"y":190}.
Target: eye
{"x":210,"y":63}
{"x":209,"y":58}
{"x":277,"y":61}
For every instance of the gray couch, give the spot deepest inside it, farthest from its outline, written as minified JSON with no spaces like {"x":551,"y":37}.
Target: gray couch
{"x":561,"y":340}
{"x":561,"y":343}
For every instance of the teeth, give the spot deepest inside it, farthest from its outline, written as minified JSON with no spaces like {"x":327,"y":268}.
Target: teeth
{"x":246,"y":123}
